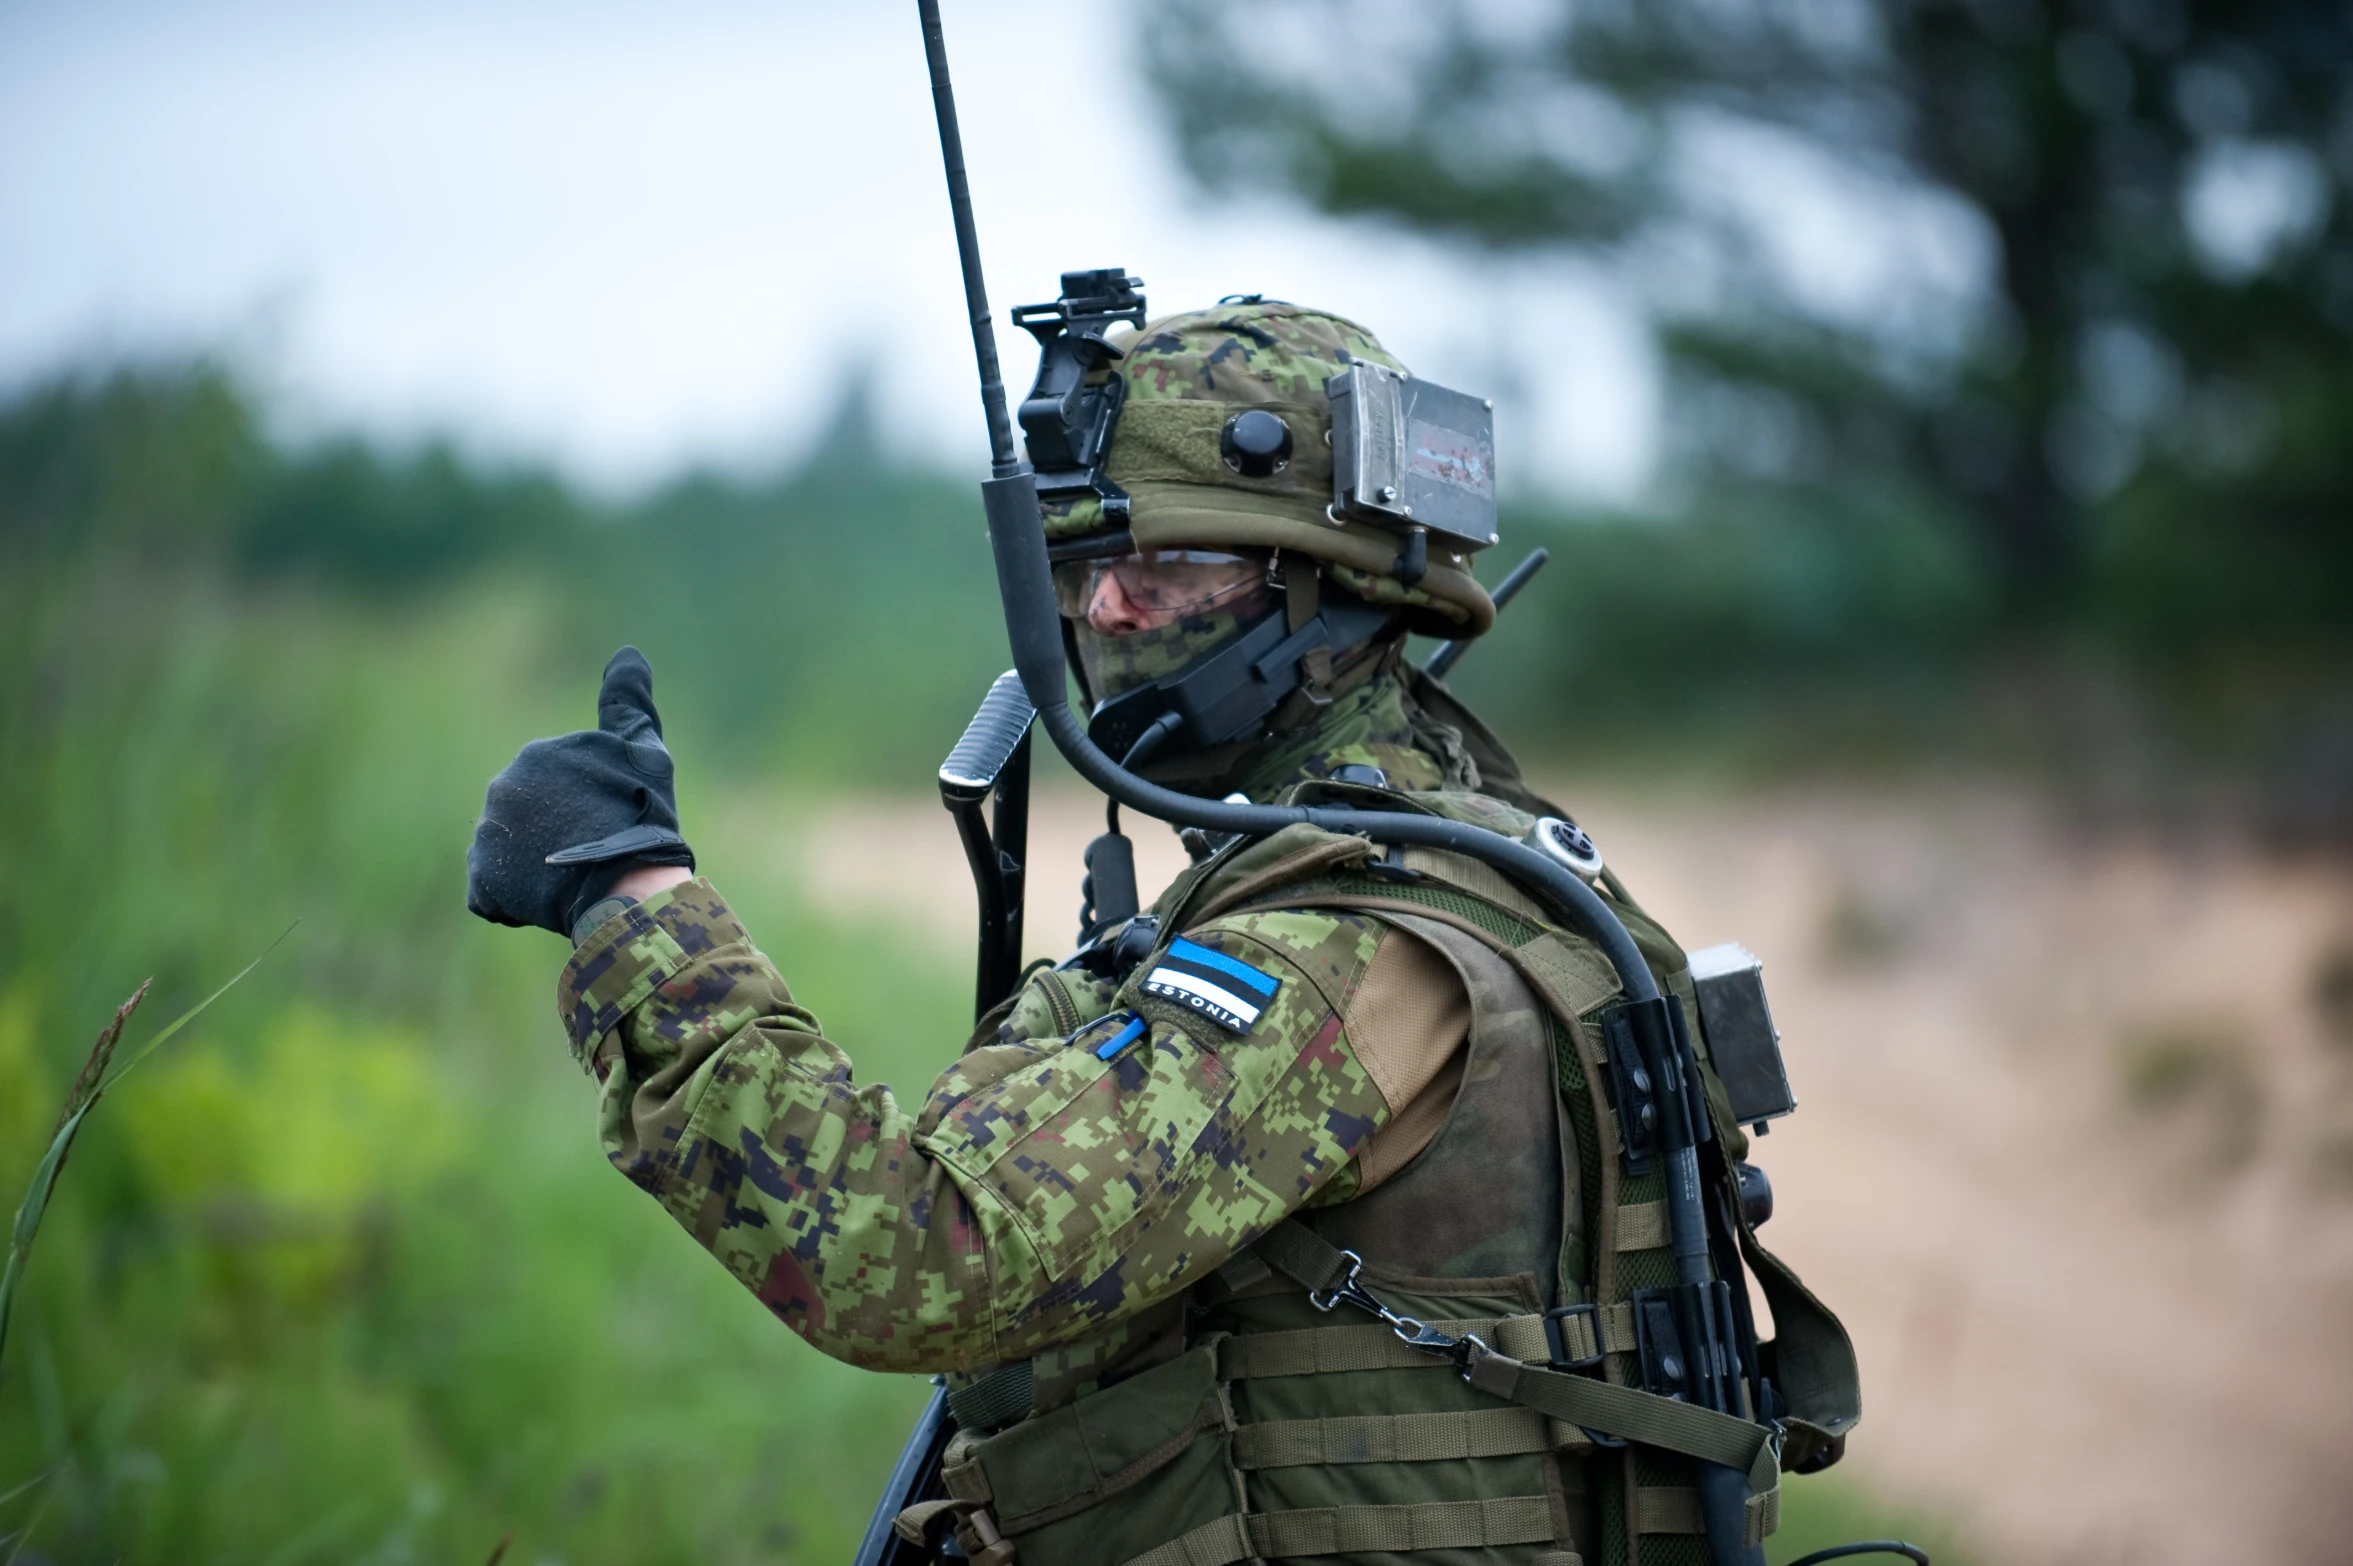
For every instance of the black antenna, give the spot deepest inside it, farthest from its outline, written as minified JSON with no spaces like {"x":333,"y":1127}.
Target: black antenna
{"x":1002,"y":462}
{"x":1447,"y":656}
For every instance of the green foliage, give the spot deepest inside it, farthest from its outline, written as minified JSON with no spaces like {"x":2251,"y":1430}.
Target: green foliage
{"x":346,"y":1280}
{"x":776,"y":614}
{"x":99,"y":1073}
{"x":2166,"y":309}
{"x":1642,"y":609}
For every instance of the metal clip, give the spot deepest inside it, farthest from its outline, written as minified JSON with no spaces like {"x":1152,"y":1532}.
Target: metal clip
{"x":1464,"y":1351}
{"x":1346,"y":1290}
{"x":1417,"y":1334}
{"x":1349,"y":1292}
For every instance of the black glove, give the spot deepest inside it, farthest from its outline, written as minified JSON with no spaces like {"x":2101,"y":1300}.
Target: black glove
{"x":571,"y":815}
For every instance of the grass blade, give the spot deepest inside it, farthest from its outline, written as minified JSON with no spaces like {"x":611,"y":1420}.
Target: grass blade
{"x":28,"y":1215}
{"x":9,"y":1495}
{"x":93,"y":1071}
{"x":25,"y":1537}
{"x":188,"y":1016}
{"x":98,"y":1074}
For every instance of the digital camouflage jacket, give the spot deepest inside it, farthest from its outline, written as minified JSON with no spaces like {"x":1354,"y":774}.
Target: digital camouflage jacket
{"x":1036,"y":1193}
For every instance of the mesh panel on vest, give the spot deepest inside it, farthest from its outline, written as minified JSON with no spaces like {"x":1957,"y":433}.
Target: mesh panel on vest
{"x":1668,"y":1549}
{"x":1653,"y":1268}
{"x":1579,"y":1102}
{"x":1506,"y":927}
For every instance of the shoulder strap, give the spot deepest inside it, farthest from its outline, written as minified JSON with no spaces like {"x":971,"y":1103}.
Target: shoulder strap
{"x":1253,"y":869}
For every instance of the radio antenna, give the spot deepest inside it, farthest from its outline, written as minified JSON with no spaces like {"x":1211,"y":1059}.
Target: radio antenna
{"x":1002,"y":462}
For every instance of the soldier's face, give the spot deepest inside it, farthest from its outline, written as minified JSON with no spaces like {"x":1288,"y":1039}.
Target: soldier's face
{"x":1144,"y":592}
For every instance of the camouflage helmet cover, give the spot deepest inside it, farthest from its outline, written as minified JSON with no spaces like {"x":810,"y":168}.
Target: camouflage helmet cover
{"x":1186,"y":376}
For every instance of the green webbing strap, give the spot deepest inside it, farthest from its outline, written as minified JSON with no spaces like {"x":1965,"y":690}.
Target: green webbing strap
{"x":1218,"y":1543}
{"x":1391,"y":1438}
{"x":1323,"y":1351}
{"x":1668,"y":1508}
{"x":1344,"y":1530}
{"x":998,"y":1398}
{"x":1642,"y":1226}
{"x":1303,"y":1256}
{"x":1607,"y":1330}
{"x":1631,"y":1415}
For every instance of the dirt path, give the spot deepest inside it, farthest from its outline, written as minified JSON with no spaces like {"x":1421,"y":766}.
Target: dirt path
{"x":2075,"y":1157}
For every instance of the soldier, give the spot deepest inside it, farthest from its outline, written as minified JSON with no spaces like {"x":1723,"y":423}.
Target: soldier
{"x":1097,"y":1221}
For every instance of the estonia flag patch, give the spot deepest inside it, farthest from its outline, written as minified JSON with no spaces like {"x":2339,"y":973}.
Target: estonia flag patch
{"x":1228,"y":992}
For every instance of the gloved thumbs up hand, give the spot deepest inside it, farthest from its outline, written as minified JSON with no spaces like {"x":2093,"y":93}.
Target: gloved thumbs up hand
{"x":625,"y":703}
{"x":570,"y":815}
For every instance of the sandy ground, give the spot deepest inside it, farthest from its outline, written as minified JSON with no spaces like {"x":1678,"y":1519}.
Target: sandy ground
{"x":2075,"y":1152}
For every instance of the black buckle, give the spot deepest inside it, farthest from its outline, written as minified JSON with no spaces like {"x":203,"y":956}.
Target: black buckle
{"x":1556,"y":1341}
{"x":1466,"y":1353}
{"x":1556,"y":1345}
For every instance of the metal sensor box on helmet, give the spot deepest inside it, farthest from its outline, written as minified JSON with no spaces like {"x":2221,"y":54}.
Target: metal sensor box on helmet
{"x":1409,"y":453}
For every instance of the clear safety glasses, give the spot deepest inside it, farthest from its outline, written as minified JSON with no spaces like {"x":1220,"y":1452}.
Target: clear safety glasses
{"x":1157,"y":581}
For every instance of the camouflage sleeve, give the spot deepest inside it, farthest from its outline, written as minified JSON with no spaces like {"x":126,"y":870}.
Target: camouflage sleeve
{"x":1044,"y":1190}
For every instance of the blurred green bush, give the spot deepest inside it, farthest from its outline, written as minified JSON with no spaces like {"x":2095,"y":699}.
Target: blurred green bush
{"x":341,"y":1278}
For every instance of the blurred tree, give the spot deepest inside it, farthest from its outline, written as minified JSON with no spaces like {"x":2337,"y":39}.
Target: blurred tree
{"x":2151,"y":341}
{"x":126,"y":455}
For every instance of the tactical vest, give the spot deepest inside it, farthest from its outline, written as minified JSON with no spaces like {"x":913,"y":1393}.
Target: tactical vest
{"x":1250,"y":1420}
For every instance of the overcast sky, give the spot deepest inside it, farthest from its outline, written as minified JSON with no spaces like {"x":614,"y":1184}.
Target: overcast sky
{"x":631,"y":237}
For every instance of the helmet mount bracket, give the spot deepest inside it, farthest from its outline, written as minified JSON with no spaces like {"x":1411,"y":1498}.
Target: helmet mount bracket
{"x":1066,"y":422}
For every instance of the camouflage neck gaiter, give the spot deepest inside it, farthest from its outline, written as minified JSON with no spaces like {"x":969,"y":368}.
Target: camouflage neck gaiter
{"x":1367,"y":721}
{"x":1115,"y":665}
{"x":1368,"y":727}
{"x":1374,"y":724}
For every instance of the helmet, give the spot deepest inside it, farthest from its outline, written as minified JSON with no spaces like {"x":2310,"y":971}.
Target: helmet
{"x":1191,"y":474}
{"x":1198,"y":474}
